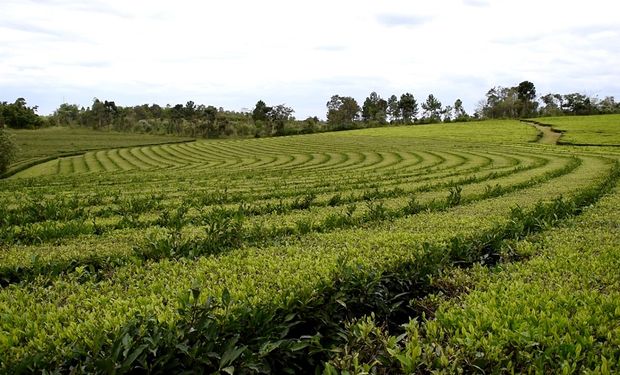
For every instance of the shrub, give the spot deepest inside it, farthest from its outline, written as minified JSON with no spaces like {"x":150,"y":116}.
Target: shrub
{"x":8,"y":150}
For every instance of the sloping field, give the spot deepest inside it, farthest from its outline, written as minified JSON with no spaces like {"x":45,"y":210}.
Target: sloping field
{"x":601,"y":130}
{"x":322,"y":150}
{"x":37,"y":146}
{"x":250,"y":255}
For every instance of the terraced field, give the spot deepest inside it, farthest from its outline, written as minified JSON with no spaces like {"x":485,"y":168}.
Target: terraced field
{"x":38,"y":146}
{"x":252,"y":255}
{"x":598,"y":130}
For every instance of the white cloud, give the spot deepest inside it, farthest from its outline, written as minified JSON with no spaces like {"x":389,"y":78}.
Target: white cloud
{"x":233,"y":53}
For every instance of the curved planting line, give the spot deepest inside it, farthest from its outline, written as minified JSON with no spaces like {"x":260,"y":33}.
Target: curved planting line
{"x":164,"y":155}
{"x":177,"y":155}
{"x":23,"y":166}
{"x":79,"y":165}
{"x":106,"y":163}
{"x":222,"y":165}
{"x":94,"y":165}
{"x":133,"y":164}
{"x":156,"y":160}
{"x":147,"y":159}
{"x":315,"y":160}
{"x":129,"y":157}
{"x":351,"y":161}
{"x":255,"y":234}
{"x":188,"y":154}
{"x":119,"y":161}
{"x":299,"y":159}
{"x":394,"y":159}
{"x":193,"y":152}
{"x":64,"y":166}
{"x":279,"y":161}
{"x":251,"y":308}
{"x":205,"y":148}
{"x":223,"y":151}
{"x":197,"y":153}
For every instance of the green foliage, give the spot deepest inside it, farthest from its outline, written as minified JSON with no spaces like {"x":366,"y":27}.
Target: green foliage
{"x":9,"y":150}
{"x":408,"y":107}
{"x":537,"y":316}
{"x":252,"y":255}
{"x":587,"y":130}
{"x":341,"y":112}
{"x":374,"y":109}
{"x":432,"y":109}
{"x":18,"y":115}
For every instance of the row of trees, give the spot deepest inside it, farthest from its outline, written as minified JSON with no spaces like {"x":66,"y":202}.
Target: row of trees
{"x":19,"y":115}
{"x":187,"y":119}
{"x":521,"y":102}
{"x":577,"y":104}
{"x":343,"y":111}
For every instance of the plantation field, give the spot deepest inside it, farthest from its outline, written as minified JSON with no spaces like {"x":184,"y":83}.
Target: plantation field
{"x":304,"y":253}
{"x":44,"y":144}
{"x":587,"y":130}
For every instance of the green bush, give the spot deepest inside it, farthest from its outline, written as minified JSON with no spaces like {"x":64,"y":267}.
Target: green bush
{"x":8,"y":150}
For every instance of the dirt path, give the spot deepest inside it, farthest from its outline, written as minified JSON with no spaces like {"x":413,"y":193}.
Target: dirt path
{"x":549,"y":136}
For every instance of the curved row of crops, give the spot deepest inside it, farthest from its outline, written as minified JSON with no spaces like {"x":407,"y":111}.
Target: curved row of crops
{"x":247,"y":254}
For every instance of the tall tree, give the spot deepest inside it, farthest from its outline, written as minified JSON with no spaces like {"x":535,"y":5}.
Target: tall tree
{"x":374,"y":108}
{"x":342,"y":111}
{"x":279,"y":115}
{"x":459,"y":111}
{"x":408,"y":107}
{"x":67,"y":114}
{"x":526,"y":93}
{"x":393,"y":109}
{"x":432,"y":108}
{"x":553,"y":107}
{"x":260,"y":111}
{"x":19,"y":116}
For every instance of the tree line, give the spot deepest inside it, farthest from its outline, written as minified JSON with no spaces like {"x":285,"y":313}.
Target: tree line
{"x":343,"y":112}
{"x":521,"y":102}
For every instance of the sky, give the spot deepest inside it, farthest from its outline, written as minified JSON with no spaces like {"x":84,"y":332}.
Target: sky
{"x":299,"y":53}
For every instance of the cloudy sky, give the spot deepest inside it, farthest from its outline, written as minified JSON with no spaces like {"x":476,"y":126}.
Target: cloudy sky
{"x":232,"y":53}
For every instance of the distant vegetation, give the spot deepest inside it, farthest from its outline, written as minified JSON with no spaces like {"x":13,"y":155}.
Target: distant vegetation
{"x":8,"y":150}
{"x":266,"y":120}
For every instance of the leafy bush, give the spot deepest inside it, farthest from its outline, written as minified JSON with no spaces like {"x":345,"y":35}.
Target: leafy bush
{"x":8,"y":150}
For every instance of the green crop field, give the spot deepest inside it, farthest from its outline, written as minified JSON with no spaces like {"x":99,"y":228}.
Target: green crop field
{"x":587,"y":130}
{"x":439,"y":248}
{"x":45,"y":144}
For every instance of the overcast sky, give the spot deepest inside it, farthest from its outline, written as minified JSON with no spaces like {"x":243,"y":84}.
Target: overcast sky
{"x":232,"y":53}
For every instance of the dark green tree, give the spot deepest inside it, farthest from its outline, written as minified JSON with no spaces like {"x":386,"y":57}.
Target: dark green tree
{"x":432,"y":109}
{"x":342,"y":111}
{"x":19,"y":115}
{"x":408,"y":107}
{"x":393,"y":109}
{"x":8,"y":150}
{"x":553,"y":105}
{"x":374,"y":108}
{"x":260,"y":111}
{"x":278,"y":116}
{"x":526,"y":93}
{"x":459,"y":111}
{"x":578,"y":104}
{"x":67,"y":114}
